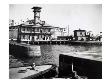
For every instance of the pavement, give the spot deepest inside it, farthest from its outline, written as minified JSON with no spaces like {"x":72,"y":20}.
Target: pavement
{"x":24,"y":72}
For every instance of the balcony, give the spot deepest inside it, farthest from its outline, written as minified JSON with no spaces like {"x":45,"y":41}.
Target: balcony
{"x":36,"y":32}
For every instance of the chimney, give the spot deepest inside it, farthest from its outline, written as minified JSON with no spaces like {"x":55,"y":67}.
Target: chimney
{"x":36,"y":11}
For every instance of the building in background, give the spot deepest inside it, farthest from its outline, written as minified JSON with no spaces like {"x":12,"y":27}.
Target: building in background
{"x":83,"y":35}
{"x":57,"y":31}
{"x":34,"y":30}
{"x":13,"y":32}
{"x":80,"y":35}
{"x":65,"y":38}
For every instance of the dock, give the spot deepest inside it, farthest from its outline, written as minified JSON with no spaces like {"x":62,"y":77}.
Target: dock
{"x":40,"y":72}
{"x":24,"y":49}
{"x":63,"y":42}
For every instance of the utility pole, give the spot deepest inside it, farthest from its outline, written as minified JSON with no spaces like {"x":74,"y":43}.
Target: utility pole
{"x":68,"y":30}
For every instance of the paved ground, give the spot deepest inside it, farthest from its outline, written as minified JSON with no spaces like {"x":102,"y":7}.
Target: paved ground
{"x":23,"y":72}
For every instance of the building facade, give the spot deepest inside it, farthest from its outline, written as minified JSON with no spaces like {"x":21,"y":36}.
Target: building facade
{"x":13,"y":32}
{"x":80,"y":35}
{"x":57,"y":31}
{"x":34,"y":30}
{"x":34,"y":33}
{"x":64,"y":37}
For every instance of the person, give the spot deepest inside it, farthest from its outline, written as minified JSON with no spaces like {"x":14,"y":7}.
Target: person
{"x":33,"y":66}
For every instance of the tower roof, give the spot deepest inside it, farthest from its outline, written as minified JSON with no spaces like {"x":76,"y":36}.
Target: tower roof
{"x":38,"y":8}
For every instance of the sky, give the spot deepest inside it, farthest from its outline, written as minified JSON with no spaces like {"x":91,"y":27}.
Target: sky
{"x":84,"y":16}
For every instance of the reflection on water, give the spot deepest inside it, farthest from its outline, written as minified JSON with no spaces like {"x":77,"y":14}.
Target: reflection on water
{"x":50,"y":53}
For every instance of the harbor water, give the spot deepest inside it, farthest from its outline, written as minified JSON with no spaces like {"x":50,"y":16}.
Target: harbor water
{"x":50,"y":53}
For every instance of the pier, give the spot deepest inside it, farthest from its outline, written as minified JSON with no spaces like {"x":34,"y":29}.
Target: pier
{"x":64,"y":42}
{"x":24,"y":49}
{"x":40,"y":72}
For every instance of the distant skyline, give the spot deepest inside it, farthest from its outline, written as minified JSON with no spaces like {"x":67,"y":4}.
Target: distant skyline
{"x":84,"y":16}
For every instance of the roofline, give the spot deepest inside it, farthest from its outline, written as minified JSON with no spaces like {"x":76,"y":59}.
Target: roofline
{"x":34,"y":26}
{"x":79,"y":30}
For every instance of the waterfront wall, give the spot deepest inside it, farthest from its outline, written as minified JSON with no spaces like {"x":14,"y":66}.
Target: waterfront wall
{"x":24,"y":50}
{"x":92,"y":69}
{"x":99,"y":43}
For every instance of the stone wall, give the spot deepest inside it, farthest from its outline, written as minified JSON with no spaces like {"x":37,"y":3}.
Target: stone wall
{"x":24,"y":50}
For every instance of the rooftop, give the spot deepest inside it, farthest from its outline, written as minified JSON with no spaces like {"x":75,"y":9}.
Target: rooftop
{"x":37,"y":7}
{"x":79,"y":30}
{"x":30,"y":23}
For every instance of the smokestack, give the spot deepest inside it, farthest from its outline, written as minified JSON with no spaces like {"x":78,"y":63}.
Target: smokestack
{"x":36,"y":11}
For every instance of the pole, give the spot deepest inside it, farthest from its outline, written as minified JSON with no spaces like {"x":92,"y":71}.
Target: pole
{"x":68,"y":30}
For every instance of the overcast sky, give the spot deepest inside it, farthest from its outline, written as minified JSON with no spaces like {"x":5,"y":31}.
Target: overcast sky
{"x":84,"y":16}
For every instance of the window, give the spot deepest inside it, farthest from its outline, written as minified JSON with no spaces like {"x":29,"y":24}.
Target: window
{"x":23,"y":36}
{"x":30,"y":22}
{"x":23,"y":29}
{"x":37,"y":29}
{"x":29,"y":37}
{"x":48,"y":30}
{"x":80,"y":33}
{"x":27,"y":29}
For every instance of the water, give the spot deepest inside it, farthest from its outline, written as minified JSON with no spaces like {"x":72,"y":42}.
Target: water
{"x":50,"y":53}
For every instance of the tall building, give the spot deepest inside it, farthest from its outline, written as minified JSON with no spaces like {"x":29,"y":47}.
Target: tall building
{"x":34,"y":30}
